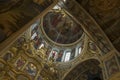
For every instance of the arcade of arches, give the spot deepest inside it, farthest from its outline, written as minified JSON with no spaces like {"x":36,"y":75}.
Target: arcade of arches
{"x":59,"y":40}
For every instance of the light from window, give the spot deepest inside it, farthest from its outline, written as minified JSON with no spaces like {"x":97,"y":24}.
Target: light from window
{"x":67,"y":56}
{"x":79,"y":50}
{"x":64,"y":0}
{"x":56,"y":7}
{"x":34,"y":35}
{"x":42,"y":45}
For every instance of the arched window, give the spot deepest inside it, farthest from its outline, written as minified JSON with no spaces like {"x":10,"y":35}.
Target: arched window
{"x":35,"y":36}
{"x":79,"y":50}
{"x":56,"y":7}
{"x":67,"y":56}
{"x":64,"y":0}
{"x":42,"y":45}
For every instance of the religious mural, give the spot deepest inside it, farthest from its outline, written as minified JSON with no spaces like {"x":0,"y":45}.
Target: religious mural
{"x":35,"y":36}
{"x":31,"y":69}
{"x":60,"y":27}
{"x":88,"y":70}
{"x":39,"y":78}
{"x":72,"y":54}
{"x":54,"y":55}
{"x":8,"y":56}
{"x":92,"y":47}
{"x":20,"y":41}
{"x":48,"y":51}
{"x":111,"y":66}
{"x":14,"y":14}
{"x":60,"y":55}
{"x":20,"y":63}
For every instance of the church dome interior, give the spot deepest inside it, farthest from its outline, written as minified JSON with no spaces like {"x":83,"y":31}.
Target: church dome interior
{"x":59,"y":40}
{"x":60,"y":28}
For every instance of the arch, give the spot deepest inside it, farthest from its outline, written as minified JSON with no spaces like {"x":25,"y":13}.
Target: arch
{"x":88,"y":70}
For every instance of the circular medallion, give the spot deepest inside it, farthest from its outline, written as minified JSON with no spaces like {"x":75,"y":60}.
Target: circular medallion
{"x":61,"y":28}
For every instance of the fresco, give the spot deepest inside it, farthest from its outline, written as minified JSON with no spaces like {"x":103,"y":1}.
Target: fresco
{"x":111,"y":66}
{"x":35,"y":36}
{"x":8,"y":56}
{"x":54,"y":55}
{"x":39,"y":78}
{"x":31,"y":69}
{"x":60,"y":27}
{"x":14,"y":14}
{"x":72,"y":54}
{"x":60,"y":54}
{"x":20,"y":42}
{"x":48,"y":51}
{"x":92,"y":46}
{"x":20,"y":63}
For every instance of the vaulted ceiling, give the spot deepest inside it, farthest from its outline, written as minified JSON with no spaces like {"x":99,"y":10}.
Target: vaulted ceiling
{"x":107,"y":14}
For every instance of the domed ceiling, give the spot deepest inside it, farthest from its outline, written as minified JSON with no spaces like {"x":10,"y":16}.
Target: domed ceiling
{"x":61,"y":28}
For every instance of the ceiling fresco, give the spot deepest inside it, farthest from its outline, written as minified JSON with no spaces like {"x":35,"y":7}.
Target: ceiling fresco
{"x":61,"y":28}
